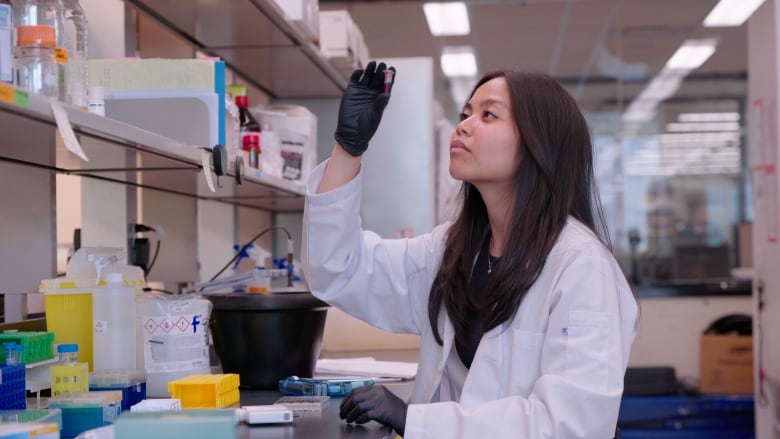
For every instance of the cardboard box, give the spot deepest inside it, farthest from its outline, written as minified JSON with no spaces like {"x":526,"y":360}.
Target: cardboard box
{"x":726,"y":364}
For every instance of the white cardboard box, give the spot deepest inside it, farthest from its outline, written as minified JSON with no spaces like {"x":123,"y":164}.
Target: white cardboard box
{"x":304,"y":14}
{"x":341,"y":41}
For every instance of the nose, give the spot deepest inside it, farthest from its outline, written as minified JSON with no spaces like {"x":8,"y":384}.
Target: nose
{"x":462,"y":127}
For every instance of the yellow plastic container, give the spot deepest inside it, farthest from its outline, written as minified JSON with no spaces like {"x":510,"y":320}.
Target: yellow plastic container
{"x":69,"y":379}
{"x":206,"y":390}
{"x":69,"y":313}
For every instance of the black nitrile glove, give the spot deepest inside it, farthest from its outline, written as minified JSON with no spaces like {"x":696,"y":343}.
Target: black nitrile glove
{"x":361,"y":108}
{"x":374,"y":403}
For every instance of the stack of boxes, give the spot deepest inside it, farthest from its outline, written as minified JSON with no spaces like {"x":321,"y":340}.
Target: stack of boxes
{"x":12,"y":393}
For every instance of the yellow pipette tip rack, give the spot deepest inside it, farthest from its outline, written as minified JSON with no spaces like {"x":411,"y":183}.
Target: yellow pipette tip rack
{"x":206,"y":390}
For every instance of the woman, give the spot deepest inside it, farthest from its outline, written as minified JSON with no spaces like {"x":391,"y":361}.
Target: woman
{"x":525,"y":318}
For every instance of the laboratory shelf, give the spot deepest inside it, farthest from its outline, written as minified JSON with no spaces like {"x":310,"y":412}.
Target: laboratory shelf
{"x":256,"y":40}
{"x":129,"y":155}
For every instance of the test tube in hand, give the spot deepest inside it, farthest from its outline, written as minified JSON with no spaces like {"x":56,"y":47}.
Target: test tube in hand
{"x":388,"y":80}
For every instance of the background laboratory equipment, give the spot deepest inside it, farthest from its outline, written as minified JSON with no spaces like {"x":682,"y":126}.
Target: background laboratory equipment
{"x":267,"y":337}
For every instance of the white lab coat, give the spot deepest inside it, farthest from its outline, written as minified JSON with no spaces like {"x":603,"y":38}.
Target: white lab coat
{"x":555,"y":371}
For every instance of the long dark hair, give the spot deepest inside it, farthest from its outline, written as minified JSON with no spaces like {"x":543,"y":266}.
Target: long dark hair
{"x":554,"y":181}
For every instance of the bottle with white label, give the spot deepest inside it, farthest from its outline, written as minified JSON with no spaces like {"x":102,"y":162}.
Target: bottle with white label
{"x":113,"y":328}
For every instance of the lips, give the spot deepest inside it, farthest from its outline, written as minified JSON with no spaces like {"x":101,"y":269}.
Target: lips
{"x":457,"y":144}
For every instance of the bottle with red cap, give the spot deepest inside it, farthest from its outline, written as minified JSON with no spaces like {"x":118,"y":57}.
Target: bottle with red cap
{"x":251,"y":144}
{"x":250,"y":128}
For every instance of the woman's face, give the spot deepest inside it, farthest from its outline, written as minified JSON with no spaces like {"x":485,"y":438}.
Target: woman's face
{"x":484,"y":146}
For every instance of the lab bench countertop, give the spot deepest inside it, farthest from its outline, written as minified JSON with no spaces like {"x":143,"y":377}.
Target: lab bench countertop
{"x":327,"y":425}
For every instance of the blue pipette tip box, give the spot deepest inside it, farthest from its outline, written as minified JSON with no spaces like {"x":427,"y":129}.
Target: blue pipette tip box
{"x":132,"y":383}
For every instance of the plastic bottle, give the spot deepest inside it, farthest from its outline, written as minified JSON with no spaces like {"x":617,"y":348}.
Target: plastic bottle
{"x":68,"y":354}
{"x":6,"y":41}
{"x":261,"y":280}
{"x":74,"y":40}
{"x":113,"y":329}
{"x":272,"y":162}
{"x":36,"y":66}
{"x":43,"y":13}
{"x":13,"y":353}
{"x":97,"y":104}
{"x":251,"y":144}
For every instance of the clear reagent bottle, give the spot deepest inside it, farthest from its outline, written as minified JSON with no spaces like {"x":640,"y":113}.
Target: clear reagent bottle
{"x":68,"y":354}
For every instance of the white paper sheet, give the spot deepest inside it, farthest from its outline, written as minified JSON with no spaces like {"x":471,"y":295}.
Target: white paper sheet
{"x":366,"y":367}
{"x":66,"y":130}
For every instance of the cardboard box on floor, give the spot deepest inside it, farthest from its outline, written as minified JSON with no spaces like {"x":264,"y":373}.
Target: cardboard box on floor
{"x":726,"y":364}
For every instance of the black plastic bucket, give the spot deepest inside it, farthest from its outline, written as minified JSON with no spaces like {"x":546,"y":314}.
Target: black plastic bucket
{"x":265,"y":337}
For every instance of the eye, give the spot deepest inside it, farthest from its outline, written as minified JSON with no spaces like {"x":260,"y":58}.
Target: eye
{"x":462,"y":117}
{"x":489,"y":115}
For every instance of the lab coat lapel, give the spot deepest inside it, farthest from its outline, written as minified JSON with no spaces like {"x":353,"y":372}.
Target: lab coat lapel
{"x":484,"y":376}
{"x":448,"y":336}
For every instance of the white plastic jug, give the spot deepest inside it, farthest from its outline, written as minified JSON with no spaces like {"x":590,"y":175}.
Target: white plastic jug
{"x":113,"y":329}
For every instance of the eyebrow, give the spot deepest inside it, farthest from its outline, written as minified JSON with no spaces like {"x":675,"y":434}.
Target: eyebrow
{"x":487,"y":103}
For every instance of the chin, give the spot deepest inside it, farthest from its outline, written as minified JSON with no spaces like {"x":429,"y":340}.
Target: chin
{"x":456,"y":173}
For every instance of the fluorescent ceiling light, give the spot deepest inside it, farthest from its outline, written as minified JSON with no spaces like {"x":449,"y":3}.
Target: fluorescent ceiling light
{"x":458,"y":61}
{"x":449,"y":18}
{"x":692,"y":54}
{"x":700,"y":138}
{"x":731,"y":12}
{"x":708,"y":117}
{"x":662,"y":86}
{"x":702,"y":126}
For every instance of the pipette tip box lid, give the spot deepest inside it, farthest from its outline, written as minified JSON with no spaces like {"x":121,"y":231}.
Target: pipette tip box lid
{"x":132,"y":383}
{"x":87,"y":410}
{"x":31,"y":415}
{"x":32,"y":430}
{"x":192,"y":424}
